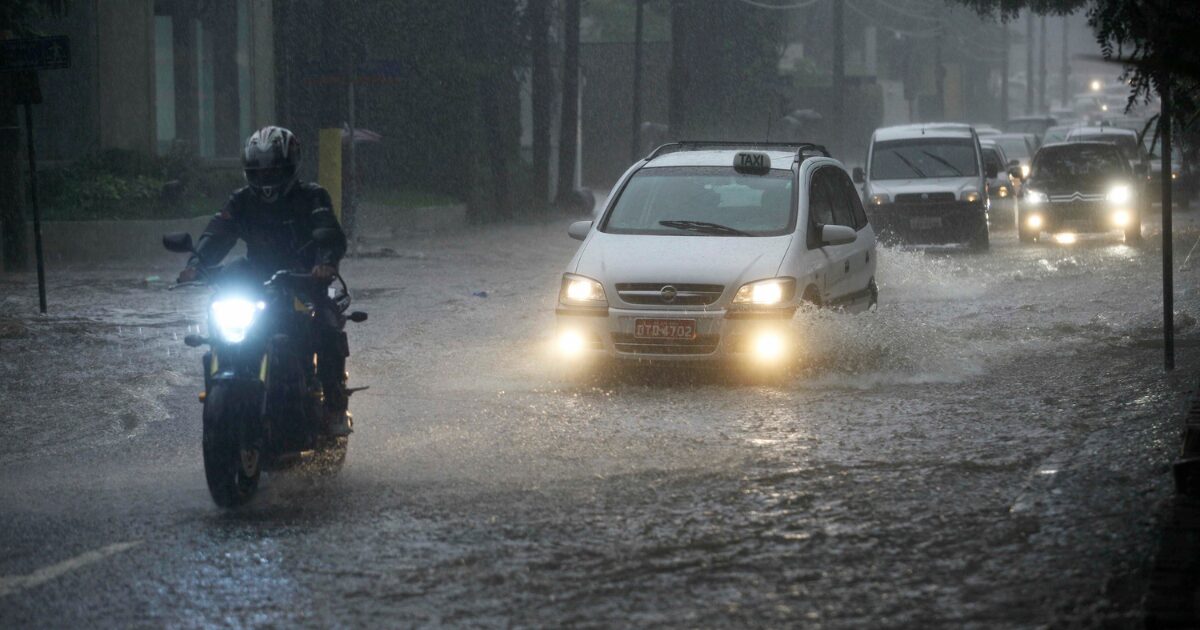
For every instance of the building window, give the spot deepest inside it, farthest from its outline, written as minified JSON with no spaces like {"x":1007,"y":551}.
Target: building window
{"x":206,"y":96}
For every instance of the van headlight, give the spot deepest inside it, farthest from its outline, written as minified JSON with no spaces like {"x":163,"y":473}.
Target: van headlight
{"x":581,"y":291}
{"x":970,"y":196}
{"x":772,"y":292}
{"x":232,"y":317}
{"x":1033,"y":197}
{"x":1119,"y":194}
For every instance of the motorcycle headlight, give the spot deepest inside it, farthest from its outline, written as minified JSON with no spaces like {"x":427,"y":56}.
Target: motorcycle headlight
{"x":1119,"y":194}
{"x":1033,"y":197}
{"x":770,"y":292}
{"x":232,"y":317}
{"x":581,"y":291}
{"x":878,"y":199}
{"x":1024,"y":171}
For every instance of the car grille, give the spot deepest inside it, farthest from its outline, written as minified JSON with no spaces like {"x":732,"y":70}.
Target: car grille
{"x":685,"y":294}
{"x":702,"y":344}
{"x":1076,"y":197}
{"x":1079,"y":210}
{"x":932,"y":197}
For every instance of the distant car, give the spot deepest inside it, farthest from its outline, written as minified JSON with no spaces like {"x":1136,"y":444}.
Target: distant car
{"x":1183,"y":176}
{"x":926,"y":184}
{"x":984,"y":131}
{"x":1036,"y":125}
{"x":1019,"y":147}
{"x":1079,"y":187}
{"x":1056,"y":134}
{"x":705,"y":250}
{"x":1001,"y":185}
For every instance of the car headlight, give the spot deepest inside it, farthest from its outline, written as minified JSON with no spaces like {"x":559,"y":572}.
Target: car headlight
{"x":232,"y":317}
{"x":581,"y":291}
{"x":878,"y":199}
{"x":1034,"y":221}
{"x":1024,"y":171}
{"x":1119,"y":194}
{"x":1033,"y":197}
{"x":970,"y":196}
{"x":770,"y":292}
{"x":1002,"y":191}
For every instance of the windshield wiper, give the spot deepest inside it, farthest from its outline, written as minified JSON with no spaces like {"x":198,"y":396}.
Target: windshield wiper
{"x":916,"y":170}
{"x":948,"y":165}
{"x":704,"y":227}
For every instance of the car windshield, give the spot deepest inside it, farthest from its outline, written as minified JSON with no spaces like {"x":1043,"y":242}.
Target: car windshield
{"x":923,"y":158}
{"x":1015,"y":148}
{"x":1080,"y":162}
{"x":1127,"y":143}
{"x":704,"y":201}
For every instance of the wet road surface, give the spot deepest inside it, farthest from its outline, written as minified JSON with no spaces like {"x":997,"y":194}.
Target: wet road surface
{"x":989,"y":449}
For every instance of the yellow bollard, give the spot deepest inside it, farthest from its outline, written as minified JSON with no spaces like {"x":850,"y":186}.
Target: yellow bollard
{"x":329,"y":166}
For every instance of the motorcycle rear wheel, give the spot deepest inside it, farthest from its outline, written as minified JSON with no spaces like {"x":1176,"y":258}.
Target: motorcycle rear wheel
{"x":232,"y":469}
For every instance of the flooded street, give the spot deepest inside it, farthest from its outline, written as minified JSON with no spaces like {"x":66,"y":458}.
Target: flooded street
{"x":990,"y":448}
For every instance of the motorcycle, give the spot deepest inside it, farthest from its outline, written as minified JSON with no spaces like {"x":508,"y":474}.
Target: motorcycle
{"x":263,"y":403}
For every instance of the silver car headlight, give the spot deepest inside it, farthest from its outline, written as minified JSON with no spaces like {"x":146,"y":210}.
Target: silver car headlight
{"x":581,"y":291}
{"x":771,"y":292}
{"x":232,"y":317}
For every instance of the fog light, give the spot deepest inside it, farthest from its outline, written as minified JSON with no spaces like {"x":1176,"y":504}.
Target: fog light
{"x":1034,"y":221}
{"x":769,"y":346}
{"x":1121,"y":218}
{"x":570,"y":343}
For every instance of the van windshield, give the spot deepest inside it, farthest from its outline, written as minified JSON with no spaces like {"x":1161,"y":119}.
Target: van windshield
{"x":924,"y":157}
{"x":704,"y":201}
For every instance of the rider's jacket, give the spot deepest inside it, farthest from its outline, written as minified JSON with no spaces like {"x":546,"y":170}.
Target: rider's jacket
{"x":277,"y":235}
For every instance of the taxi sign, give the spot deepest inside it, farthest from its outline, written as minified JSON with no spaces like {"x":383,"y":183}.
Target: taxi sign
{"x":752,"y":162}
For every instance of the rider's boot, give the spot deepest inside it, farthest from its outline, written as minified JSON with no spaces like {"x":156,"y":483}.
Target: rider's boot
{"x":337,"y":418}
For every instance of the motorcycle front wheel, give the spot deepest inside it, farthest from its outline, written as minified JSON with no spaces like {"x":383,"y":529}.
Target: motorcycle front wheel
{"x":231,"y":468}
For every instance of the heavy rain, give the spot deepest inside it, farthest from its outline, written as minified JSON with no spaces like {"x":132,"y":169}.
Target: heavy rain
{"x":669,"y":313}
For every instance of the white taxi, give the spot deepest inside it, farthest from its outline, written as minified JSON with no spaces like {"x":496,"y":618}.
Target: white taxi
{"x":705,"y":250}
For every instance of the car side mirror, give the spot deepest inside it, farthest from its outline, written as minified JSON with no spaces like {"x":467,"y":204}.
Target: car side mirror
{"x":1015,"y":173}
{"x":178,"y":242}
{"x":859,"y":175}
{"x":837,"y":235}
{"x":992,"y":172}
{"x":579,"y":230}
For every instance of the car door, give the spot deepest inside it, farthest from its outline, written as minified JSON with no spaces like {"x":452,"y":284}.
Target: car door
{"x":862,"y":256}
{"x":829,"y":206}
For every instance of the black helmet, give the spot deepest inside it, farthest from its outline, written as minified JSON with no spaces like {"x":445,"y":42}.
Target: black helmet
{"x":270,"y":160}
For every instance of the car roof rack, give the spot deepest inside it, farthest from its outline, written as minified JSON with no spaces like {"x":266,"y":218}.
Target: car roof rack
{"x":802,"y":149}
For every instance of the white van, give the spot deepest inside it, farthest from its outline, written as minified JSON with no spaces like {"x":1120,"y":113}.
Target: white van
{"x":926,"y":184}
{"x":705,"y":250}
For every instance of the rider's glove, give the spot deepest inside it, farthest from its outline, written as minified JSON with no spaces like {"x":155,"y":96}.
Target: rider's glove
{"x":324,"y":272}
{"x":187,"y":275}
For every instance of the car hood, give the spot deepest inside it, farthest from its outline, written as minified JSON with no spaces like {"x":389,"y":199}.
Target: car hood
{"x":956,"y":185}
{"x":726,"y":260}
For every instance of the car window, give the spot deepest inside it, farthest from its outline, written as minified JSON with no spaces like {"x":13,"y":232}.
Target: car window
{"x":1126,"y":142}
{"x":921,"y":158}
{"x":843,"y":212}
{"x":820,"y":202}
{"x":759,"y":205}
{"x":1079,"y":162}
{"x":856,"y":207}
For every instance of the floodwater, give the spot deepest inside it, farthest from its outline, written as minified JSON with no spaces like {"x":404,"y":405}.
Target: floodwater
{"x":989,"y":449}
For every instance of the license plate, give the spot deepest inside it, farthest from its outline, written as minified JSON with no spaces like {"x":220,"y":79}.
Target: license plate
{"x":925,"y":223}
{"x":664,"y":328}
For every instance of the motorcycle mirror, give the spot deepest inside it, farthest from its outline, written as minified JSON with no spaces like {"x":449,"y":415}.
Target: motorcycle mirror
{"x":324,"y":235}
{"x":178,"y":242}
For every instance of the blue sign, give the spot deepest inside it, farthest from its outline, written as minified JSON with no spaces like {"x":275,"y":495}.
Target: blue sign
{"x":35,"y":53}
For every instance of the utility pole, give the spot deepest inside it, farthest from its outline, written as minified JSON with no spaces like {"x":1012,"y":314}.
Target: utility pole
{"x":568,"y":139}
{"x":1164,"y":125}
{"x":635,"y":147}
{"x":839,"y":74}
{"x":1029,"y":41}
{"x":1066,"y":63}
{"x":1042,"y":100}
{"x":1004,"y":75}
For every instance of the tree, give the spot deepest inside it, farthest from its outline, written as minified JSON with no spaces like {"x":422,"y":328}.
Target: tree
{"x":537,"y":17}
{"x":568,"y":136}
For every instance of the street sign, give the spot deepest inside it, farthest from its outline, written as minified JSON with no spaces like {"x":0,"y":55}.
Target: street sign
{"x":35,"y":53}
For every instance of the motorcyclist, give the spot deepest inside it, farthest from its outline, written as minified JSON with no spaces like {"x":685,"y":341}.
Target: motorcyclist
{"x":276,"y":214}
